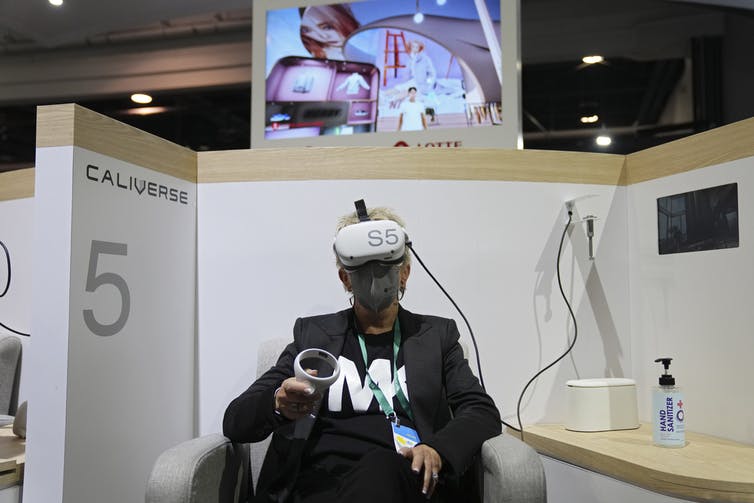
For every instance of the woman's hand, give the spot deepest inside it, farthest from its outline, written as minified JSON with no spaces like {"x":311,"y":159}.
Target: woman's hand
{"x":295,"y":399}
{"x":426,"y":459}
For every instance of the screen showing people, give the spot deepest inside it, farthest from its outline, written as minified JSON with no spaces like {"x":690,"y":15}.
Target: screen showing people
{"x":381,"y":65}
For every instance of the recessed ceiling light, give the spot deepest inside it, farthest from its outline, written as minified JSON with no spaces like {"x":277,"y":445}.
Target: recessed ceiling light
{"x":56,"y":3}
{"x":589,"y":119}
{"x":590,"y":60}
{"x":145,"y":110}
{"x":603,"y":141}
{"x":441,"y":2}
{"x":418,"y":18}
{"x":141,"y":98}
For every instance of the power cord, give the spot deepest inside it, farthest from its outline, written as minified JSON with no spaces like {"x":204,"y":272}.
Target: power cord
{"x":468,"y":325}
{"x":575,"y":330}
{"x":5,"y":290}
{"x":473,"y":339}
{"x":7,"y":259}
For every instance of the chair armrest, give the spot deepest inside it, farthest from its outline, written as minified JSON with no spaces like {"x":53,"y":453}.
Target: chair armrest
{"x":208,"y":469}
{"x":10,"y":357}
{"x":513,"y":471}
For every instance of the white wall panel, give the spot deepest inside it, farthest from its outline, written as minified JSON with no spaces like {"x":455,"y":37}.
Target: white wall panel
{"x":265,"y":258}
{"x":108,"y":398}
{"x":696,"y":307}
{"x":47,"y":363}
{"x":17,"y":233}
{"x":567,"y":483}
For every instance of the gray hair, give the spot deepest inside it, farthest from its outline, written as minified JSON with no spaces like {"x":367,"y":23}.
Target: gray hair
{"x":378,"y":213}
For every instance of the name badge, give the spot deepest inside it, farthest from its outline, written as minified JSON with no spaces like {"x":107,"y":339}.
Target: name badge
{"x":403,"y":436}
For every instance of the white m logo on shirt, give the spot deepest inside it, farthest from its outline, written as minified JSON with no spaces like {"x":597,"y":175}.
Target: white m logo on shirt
{"x":361,"y":395}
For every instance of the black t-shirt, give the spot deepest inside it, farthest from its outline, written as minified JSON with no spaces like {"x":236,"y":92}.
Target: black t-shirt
{"x":350,"y":422}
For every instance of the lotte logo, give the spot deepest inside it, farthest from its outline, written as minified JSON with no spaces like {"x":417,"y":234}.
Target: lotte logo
{"x":432,"y":144}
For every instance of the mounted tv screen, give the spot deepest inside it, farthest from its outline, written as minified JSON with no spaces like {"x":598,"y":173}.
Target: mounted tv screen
{"x":382,"y":66}
{"x":705,"y":219}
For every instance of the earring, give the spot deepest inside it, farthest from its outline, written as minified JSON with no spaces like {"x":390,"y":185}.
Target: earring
{"x":401,"y":293}
{"x":350,"y":300}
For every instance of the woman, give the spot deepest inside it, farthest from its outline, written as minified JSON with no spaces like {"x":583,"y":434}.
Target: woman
{"x":422,"y":72}
{"x":402,"y":376}
{"x":325,"y":28}
{"x":421,"y":68}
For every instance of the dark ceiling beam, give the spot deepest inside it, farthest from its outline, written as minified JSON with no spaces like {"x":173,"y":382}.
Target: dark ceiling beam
{"x":663,"y":80}
{"x":707,"y":76}
{"x":635,"y":130}
{"x":111,"y":70}
{"x":557,"y":30}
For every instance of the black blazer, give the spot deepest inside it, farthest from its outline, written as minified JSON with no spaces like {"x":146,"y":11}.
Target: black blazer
{"x":452,"y":412}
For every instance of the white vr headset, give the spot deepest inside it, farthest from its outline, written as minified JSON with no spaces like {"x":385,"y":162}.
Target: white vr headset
{"x":382,"y":241}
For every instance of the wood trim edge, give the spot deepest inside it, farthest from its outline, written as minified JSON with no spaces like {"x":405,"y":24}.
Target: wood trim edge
{"x":709,"y":148}
{"x":673,"y":484}
{"x":342,"y":163}
{"x":17,"y":184}
{"x":70,"y":124}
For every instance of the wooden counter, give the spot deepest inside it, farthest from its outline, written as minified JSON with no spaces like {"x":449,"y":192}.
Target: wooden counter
{"x":12,"y":457}
{"x":706,"y":469}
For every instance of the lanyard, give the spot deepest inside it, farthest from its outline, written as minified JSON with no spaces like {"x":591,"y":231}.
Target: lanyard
{"x":385,"y":405}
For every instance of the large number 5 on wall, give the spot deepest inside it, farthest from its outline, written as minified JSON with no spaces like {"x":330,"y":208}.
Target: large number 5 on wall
{"x":94,"y":281}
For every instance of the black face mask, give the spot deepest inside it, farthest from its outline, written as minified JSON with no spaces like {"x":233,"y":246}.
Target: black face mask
{"x":375,"y":286}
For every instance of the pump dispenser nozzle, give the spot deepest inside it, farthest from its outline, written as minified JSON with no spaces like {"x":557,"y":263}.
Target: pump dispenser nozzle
{"x":668,"y":414}
{"x":666,"y":379}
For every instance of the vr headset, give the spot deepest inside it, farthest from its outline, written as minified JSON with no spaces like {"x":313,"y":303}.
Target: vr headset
{"x":368,"y":240}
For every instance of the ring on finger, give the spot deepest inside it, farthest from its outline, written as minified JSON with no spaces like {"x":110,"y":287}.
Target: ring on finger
{"x":435,"y":476}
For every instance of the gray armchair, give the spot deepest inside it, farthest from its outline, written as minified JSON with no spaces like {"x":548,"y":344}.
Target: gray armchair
{"x":212,"y":469}
{"x":10,"y":371}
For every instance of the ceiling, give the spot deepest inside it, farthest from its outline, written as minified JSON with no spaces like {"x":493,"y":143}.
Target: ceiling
{"x":80,"y":21}
{"x":94,"y":52}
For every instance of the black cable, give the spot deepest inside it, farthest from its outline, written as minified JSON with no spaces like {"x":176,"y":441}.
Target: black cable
{"x":473,"y":339}
{"x":575,"y":330}
{"x":7,"y":285}
{"x":7,"y":259}
{"x":6,"y":327}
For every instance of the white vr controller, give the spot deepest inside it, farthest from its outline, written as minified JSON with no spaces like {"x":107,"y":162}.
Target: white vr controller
{"x":327,"y":375}
{"x":319,"y":383}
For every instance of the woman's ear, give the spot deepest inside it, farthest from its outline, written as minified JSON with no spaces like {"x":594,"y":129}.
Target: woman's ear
{"x":345,"y":279}
{"x":404,"y":274}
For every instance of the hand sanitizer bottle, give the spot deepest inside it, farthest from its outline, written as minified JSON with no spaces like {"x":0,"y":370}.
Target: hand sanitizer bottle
{"x":667,"y":411}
